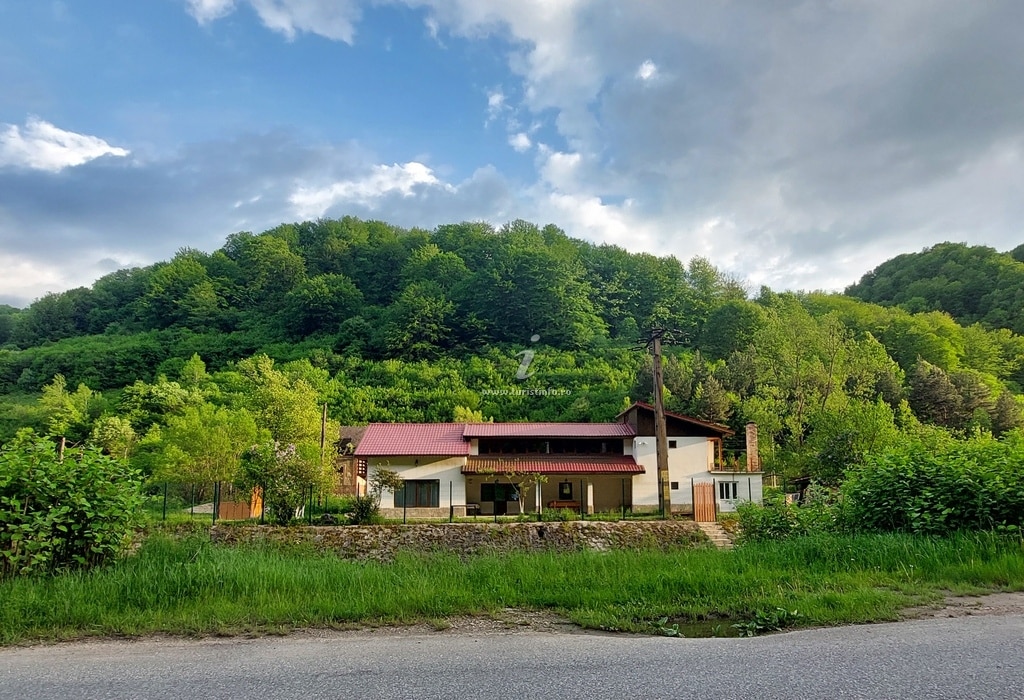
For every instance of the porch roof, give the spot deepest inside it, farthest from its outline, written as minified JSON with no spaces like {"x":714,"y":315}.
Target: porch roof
{"x":563,"y":464}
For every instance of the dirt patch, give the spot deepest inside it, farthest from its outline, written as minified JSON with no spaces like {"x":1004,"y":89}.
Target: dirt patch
{"x":505,"y":622}
{"x":965,"y":605}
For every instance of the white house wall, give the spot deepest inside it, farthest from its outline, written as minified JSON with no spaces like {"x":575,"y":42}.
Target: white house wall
{"x":445,"y":470}
{"x":691,"y":459}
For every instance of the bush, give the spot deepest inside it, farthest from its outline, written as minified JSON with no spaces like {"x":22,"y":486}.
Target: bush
{"x":560,"y":515}
{"x":777,"y":520}
{"x":57,"y":515}
{"x":976,"y":484}
{"x":365,"y":511}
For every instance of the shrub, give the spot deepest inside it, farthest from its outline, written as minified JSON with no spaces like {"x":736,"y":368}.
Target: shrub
{"x":57,"y":515}
{"x":969,"y":485}
{"x":366,"y":509}
{"x":560,"y":515}
{"x":776,"y":519}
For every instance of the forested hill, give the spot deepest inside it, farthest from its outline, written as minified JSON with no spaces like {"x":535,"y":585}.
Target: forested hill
{"x":374,"y":290}
{"x":388,"y":324}
{"x":973,"y":284}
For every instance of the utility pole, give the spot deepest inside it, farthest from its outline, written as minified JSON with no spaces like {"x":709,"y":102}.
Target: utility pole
{"x":654,"y":342}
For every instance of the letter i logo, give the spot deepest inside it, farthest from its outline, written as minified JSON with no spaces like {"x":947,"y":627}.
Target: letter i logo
{"x":527,"y":356}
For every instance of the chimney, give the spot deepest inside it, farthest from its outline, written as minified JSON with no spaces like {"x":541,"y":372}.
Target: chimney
{"x":753,"y":458}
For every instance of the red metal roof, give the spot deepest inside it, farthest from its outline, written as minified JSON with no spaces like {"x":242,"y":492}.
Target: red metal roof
{"x":549,"y":430}
{"x":401,"y":439}
{"x":566,"y":464}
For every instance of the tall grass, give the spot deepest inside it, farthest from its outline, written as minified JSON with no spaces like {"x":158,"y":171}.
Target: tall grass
{"x":190,"y":586}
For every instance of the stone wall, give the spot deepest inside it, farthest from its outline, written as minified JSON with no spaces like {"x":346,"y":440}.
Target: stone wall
{"x":382,"y":542}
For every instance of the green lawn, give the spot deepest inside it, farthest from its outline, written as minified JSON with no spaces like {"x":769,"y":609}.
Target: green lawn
{"x":189,"y":586}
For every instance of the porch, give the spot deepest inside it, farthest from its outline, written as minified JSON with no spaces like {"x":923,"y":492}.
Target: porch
{"x":499,"y":485}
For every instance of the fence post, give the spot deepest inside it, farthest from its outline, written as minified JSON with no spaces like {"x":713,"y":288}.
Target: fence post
{"x":216,"y":500}
{"x":165,"y":501}
{"x":451,"y":504}
{"x":263,"y":505}
{"x":309,"y":514}
{"x":623,"y":499}
{"x":583,"y":502}
{"x":405,"y":501}
{"x":192,"y":502}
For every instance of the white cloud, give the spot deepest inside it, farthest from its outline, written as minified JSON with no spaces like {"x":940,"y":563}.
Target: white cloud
{"x":208,"y":10}
{"x":404,"y":180}
{"x":26,"y":279}
{"x":593,"y":219}
{"x":333,"y":19}
{"x":520,"y":142}
{"x":495,"y":105}
{"x":647,"y":70}
{"x":561,"y":170}
{"x":42,"y":146}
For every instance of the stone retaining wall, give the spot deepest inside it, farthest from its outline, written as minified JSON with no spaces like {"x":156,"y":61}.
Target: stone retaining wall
{"x":382,"y":542}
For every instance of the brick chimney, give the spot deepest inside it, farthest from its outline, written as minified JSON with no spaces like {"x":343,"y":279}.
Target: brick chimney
{"x":753,"y":458}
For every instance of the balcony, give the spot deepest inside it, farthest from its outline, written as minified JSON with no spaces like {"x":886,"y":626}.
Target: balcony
{"x":719,"y":466}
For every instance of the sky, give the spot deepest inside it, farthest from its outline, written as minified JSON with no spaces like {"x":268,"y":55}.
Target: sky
{"x":795,"y":144}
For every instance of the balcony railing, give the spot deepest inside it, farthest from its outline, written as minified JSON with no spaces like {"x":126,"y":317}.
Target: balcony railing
{"x":731,"y":468}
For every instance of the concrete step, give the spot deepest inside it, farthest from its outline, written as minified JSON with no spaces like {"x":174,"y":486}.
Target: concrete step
{"x":718,"y":536}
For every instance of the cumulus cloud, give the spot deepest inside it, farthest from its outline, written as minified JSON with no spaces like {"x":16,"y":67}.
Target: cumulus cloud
{"x":405,"y":180}
{"x":520,"y":142}
{"x":208,"y":10}
{"x":333,"y":19}
{"x":801,"y":143}
{"x":42,"y":146}
{"x":496,"y":105}
{"x":647,"y":70}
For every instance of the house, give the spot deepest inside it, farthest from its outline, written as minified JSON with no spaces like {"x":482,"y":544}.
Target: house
{"x":464,"y":468}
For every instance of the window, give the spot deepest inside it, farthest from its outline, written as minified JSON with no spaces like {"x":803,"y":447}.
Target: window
{"x":727,"y":490}
{"x":565,"y":491}
{"x":423,"y":493}
{"x":672,"y":444}
{"x":674,"y":485}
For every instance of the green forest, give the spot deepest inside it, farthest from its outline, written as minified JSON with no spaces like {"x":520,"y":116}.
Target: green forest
{"x":181,"y":366}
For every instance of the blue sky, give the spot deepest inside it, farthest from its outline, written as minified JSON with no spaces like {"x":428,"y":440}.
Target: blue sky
{"x":795,"y":144}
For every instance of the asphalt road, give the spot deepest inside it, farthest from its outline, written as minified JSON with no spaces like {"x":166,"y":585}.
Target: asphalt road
{"x":971,"y":657}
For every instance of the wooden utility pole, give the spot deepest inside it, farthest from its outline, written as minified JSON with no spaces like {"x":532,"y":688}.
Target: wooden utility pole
{"x":654,"y":341}
{"x":660,"y":432}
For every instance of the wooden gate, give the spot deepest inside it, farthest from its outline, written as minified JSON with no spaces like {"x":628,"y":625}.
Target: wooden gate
{"x":704,"y":502}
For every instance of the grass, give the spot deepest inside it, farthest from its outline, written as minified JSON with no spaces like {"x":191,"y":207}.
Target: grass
{"x":189,"y":586}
